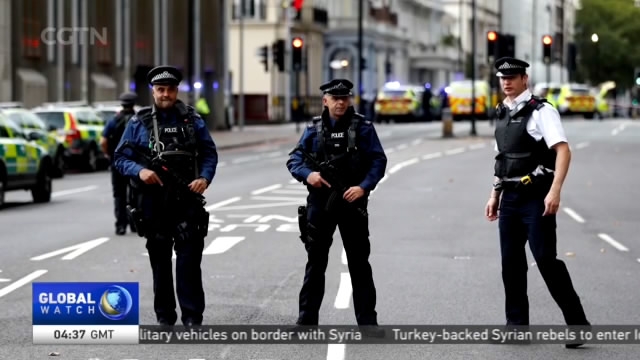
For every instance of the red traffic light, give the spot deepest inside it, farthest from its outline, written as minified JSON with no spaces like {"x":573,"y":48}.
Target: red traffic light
{"x":297,"y":42}
{"x":297,"y":4}
{"x":492,"y":36}
{"x":547,"y":40}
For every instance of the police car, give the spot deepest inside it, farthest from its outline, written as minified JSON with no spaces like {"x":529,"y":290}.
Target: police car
{"x":81,"y":127}
{"x":24,"y":164}
{"x":33,"y":126}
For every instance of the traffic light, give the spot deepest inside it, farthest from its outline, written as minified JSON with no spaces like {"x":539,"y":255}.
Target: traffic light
{"x":492,"y":47}
{"x":547,"y":41}
{"x":263,"y":53}
{"x":278,"y":54}
{"x":297,"y":44}
{"x":297,"y":4}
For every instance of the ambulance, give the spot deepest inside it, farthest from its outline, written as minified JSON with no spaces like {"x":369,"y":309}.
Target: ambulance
{"x":459,"y":97}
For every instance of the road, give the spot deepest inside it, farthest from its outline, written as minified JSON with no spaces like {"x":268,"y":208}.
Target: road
{"x":435,"y":258}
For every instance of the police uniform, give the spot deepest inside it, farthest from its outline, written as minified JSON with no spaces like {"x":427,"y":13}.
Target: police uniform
{"x":185,"y":143}
{"x":113,"y":133}
{"x":354,"y":146}
{"x":526,"y":130}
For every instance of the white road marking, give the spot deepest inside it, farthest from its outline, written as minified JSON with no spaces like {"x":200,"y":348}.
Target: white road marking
{"x":639,"y":260}
{"x":73,"y":251}
{"x":222,"y":244}
{"x":432,"y":156}
{"x":390,"y":151}
{"x":402,"y":147}
{"x":222,"y":203}
{"x":266,"y":189}
{"x":344,"y":291}
{"x":261,"y":206}
{"x":21,"y":282}
{"x":581,"y":145}
{"x":267,"y":218}
{"x":245,"y":159}
{"x":612,"y":242}
{"x":477,"y":146}
{"x":344,"y":256}
{"x":4,"y":280}
{"x":294,"y":181}
{"x":614,"y":132}
{"x":416,"y":142}
{"x":221,"y":164}
{"x":273,"y":154}
{"x":574,"y":215}
{"x":298,"y":191}
{"x":454,"y":151}
{"x":280,"y":198}
{"x":336,"y":351}
{"x":73,"y":191}
{"x":403,"y":164}
{"x":258,"y":228}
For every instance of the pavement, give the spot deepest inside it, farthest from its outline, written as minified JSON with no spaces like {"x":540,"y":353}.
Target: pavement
{"x":435,"y":258}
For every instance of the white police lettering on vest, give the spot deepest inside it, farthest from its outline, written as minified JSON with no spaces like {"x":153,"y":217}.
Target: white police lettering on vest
{"x":337,"y":135}
{"x":171,"y":130}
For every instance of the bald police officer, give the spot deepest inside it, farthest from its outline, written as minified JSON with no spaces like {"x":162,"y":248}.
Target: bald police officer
{"x":530,"y":168}
{"x":348,"y":140}
{"x":111,"y":136}
{"x":173,"y":131}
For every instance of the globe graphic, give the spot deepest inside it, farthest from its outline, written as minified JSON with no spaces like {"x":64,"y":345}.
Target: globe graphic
{"x":115,"y":303}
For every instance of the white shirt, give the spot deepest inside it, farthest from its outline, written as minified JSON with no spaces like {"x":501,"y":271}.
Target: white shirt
{"x":544,"y":123}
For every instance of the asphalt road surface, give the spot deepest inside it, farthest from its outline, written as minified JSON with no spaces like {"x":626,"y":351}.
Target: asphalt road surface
{"x":435,"y":258}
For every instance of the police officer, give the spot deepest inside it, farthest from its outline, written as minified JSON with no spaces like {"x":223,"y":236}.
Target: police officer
{"x":351,"y":143}
{"x":111,"y":136}
{"x":174,"y":131}
{"x":530,"y":168}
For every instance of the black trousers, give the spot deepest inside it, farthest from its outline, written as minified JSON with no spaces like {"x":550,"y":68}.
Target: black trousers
{"x":160,"y":246}
{"x":521,"y":219}
{"x":354,"y":230}
{"x":120,"y":185}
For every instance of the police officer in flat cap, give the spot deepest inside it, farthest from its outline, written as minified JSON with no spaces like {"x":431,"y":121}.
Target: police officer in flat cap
{"x":350,"y":143}
{"x":170,"y":207}
{"x":111,"y":136}
{"x":530,"y":168}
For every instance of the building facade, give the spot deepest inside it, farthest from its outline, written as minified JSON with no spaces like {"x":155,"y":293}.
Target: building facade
{"x":403,"y":40}
{"x":263,"y":24}
{"x":487,"y":18}
{"x":540,"y":18}
{"x":92,"y":50}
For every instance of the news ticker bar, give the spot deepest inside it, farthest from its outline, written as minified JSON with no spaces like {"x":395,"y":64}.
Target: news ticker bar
{"x":339,"y":334}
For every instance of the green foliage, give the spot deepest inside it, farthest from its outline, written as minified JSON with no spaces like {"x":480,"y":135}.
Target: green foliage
{"x":617,"y":52}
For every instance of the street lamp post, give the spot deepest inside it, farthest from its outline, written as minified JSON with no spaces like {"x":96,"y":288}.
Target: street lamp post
{"x":594,"y":40}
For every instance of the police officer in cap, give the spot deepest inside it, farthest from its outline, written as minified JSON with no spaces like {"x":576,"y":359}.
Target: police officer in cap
{"x":350,"y":142}
{"x":530,"y":168}
{"x":111,"y":136}
{"x":172,"y":131}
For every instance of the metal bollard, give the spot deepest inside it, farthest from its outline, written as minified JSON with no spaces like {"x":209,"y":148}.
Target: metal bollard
{"x":447,"y":123}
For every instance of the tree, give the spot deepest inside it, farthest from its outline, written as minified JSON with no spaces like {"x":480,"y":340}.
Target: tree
{"x":617,"y":51}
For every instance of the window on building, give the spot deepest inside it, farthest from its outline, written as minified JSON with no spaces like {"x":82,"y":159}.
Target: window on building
{"x":32,"y":25}
{"x":144,"y":31}
{"x":253,"y":9}
{"x":101,"y":34}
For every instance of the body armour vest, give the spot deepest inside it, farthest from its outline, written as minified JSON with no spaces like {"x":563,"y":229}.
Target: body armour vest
{"x":177,"y":143}
{"x":337,"y":144}
{"x":519,"y":153}
{"x":121,"y":123}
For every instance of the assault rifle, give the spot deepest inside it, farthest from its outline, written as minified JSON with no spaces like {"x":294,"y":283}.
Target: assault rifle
{"x":330,"y":174}
{"x":161,"y":167}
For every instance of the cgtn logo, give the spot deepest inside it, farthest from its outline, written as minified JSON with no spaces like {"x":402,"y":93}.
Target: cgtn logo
{"x":85,"y":304}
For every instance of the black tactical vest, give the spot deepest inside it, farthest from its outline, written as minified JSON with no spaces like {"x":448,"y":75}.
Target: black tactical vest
{"x":177,"y":143}
{"x":121,"y":119}
{"x":519,"y":153}
{"x":337,"y":144}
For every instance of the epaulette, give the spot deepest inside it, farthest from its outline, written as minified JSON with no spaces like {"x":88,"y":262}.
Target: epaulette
{"x":142,"y":114}
{"x":314,"y":121}
{"x":538,"y":102}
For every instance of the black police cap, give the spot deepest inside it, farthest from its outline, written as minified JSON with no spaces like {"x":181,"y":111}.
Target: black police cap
{"x":337,"y":87}
{"x":128,"y":98}
{"x":508,"y":66}
{"x":164,"y":75}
